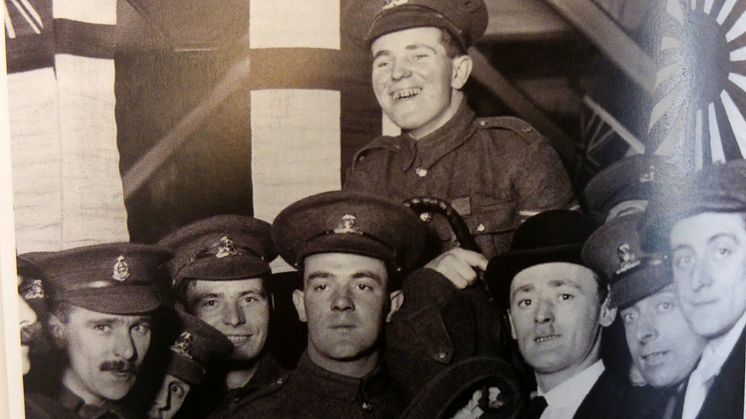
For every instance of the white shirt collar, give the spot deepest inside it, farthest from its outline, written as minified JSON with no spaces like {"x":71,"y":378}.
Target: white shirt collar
{"x":571,"y":392}
{"x":717,"y":350}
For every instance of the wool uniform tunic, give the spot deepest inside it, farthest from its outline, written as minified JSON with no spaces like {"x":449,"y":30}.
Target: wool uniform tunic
{"x":495,"y":172}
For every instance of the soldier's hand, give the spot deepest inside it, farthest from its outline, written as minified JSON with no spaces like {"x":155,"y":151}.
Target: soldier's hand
{"x":459,"y":266}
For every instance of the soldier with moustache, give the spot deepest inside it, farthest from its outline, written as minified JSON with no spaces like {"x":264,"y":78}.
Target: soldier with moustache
{"x":102,"y":299}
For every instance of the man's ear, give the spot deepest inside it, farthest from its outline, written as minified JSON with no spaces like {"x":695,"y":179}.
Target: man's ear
{"x":462,"y":66}
{"x":56,"y":330}
{"x":512,"y":327}
{"x":397,"y":299}
{"x":608,"y":314}
{"x":300,"y":304}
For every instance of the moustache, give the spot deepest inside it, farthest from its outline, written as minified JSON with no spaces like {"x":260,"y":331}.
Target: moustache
{"x":31,"y":333}
{"x":118,"y":366}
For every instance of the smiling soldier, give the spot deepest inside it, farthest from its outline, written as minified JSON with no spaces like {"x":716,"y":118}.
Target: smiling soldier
{"x":102,"y":299}
{"x":494,"y":171}
{"x":704,"y":228}
{"x":219,"y":273}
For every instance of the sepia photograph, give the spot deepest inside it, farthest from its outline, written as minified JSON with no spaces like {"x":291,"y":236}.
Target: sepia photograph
{"x":415,"y":209}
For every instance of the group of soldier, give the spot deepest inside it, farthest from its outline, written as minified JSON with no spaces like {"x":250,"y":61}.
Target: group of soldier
{"x":633,"y":306}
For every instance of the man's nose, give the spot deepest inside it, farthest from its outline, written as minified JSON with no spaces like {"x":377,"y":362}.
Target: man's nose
{"x":544,"y":312}
{"x":124,"y":346}
{"x":233,"y":315}
{"x":400,"y":69}
{"x":646,"y":329}
{"x":342,"y":301}
{"x":701,"y":276}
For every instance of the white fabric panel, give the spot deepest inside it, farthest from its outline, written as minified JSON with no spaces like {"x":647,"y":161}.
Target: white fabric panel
{"x":103,"y":12}
{"x":35,"y":148}
{"x":295,"y":148}
{"x":92,"y":198}
{"x":294,"y":24}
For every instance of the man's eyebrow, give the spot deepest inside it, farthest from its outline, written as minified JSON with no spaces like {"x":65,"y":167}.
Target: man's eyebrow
{"x":420,"y":45}
{"x":556,"y":283}
{"x":680,"y":246}
{"x":720,"y":235}
{"x":110,"y":322}
{"x":259,"y":291}
{"x":319,"y":275}
{"x":381,"y":53}
{"x":368,"y":274}
{"x":523,"y":288}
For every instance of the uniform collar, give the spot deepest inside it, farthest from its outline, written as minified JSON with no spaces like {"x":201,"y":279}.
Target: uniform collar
{"x":442,"y":141}
{"x":268,"y":373}
{"x":331,"y":384}
{"x":75,"y":404}
{"x":573,"y":391}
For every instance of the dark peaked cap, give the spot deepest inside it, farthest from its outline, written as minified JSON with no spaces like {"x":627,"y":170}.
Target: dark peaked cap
{"x":551,"y":236}
{"x":197,"y":346}
{"x":631,"y":178}
{"x":349,"y":222}
{"x":464,"y":19}
{"x":614,"y":251}
{"x":113,"y":278}
{"x":220,"y":248}
{"x":716,"y":188}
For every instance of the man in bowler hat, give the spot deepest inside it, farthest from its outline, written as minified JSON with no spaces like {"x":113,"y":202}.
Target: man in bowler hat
{"x":558,"y":308}
{"x":102,"y":298}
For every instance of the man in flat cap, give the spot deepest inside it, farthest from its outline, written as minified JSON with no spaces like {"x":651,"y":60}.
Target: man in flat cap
{"x":219,"y":271}
{"x":102,"y":298}
{"x":626,"y":186}
{"x":494,"y":171}
{"x":197,"y":347}
{"x":701,"y":223}
{"x":351,"y":250}
{"x":663,"y":346}
{"x":558,"y":308}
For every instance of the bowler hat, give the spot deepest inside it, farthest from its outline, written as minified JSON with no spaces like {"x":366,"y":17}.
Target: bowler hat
{"x":551,"y":236}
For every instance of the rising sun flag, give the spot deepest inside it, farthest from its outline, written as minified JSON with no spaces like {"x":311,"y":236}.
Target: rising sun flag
{"x":700,"y":87}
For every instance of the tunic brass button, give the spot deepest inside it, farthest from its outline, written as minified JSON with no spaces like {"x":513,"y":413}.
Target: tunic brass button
{"x":367,"y":406}
{"x":482,"y":123}
{"x":442,"y":355}
{"x":421,"y":172}
{"x":481,"y":227}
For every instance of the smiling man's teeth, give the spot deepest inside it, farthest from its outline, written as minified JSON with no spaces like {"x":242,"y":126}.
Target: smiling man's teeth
{"x":543,"y":339}
{"x":403,"y":94}
{"x":653,"y":356}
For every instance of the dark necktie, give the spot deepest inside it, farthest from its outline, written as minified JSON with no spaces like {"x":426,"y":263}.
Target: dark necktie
{"x":534,"y":408}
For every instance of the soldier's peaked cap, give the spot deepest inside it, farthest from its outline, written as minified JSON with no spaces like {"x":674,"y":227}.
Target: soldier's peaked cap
{"x":465,"y":19}
{"x":614,"y":251}
{"x":220,"y":248}
{"x":349,"y":222}
{"x":198,"y":346}
{"x":113,"y":278}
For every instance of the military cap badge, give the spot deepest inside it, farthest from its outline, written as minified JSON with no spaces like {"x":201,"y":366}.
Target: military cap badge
{"x":121,"y":270}
{"x":184,"y":345}
{"x":390,"y":4}
{"x":226,"y":247}
{"x":32,"y":290}
{"x":348,"y":225}
{"x":648,"y":176}
{"x":627,"y":259}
